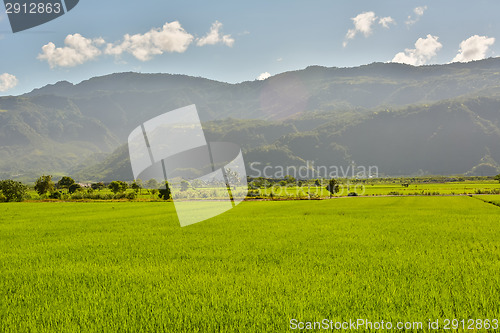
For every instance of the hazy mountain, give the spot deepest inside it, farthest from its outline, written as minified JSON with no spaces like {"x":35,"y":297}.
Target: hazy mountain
{"x":442,"y":118}
{"x":448,"y":137}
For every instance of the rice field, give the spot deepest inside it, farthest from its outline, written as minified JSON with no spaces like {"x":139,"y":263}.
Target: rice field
{"x":381,"y":189}
{"x":128,"y":266}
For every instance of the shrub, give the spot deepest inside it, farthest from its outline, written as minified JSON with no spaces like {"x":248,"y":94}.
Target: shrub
{"x":12,"y":190}
{"x":78,"y":196}
{"x":120,"y":196}
{"x":131,"y":195}
{"x":253,"y":193}
{"x":55,"y":195}
{"x":118,"y":186}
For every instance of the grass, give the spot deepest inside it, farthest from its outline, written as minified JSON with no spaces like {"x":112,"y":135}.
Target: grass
{"x":128,"y":266}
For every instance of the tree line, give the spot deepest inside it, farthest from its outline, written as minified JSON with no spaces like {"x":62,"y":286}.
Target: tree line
{"x":15,"y":191}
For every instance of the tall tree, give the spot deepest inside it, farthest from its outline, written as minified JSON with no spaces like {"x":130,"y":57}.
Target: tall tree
{"x":185,"y":185}
{"x":332,"y":187}
{"x":65,"y":182}
{"x":97,"y":186}
{"x":136,"y":186}
{"x":152,"y":184}
{"x":164,"y":192}
{"x":44,"y":184}
{"x":74,"y":187}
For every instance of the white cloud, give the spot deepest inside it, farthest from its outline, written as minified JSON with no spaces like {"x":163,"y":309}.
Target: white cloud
{"x":363,"y":23}
{"x":279,"y":59}
{"x":263,"y":76}
{"x":77,"y":51}
{"x":170,"y":38}
{"x":386,"y":21}
{"x":419,"y":12}
{"x":425,"y":49}
{"x":474,"y":48}
{"x":7,"y":81}
{"x":214,"y":37}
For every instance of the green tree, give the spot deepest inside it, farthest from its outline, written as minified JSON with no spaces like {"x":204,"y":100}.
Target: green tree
{"x":332,"y":187}
{"x":136,"y":187}
{"x":56,"y":195}
{"x":65,"y":182}
{"x":185,"y":185}
{"x":74,"y":187}
{"x":44,"y":184}
{"x":152,"y":184}
{"x":233,"y":176}
{"x":12,"y":190}
{"x":165,"y":193}
{"x":97,"y":186}
{"x":118,"y":186}
{"x":497,"y":177}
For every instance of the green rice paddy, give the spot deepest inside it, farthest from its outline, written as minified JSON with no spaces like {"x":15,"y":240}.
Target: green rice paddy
{"x":129,"y":267}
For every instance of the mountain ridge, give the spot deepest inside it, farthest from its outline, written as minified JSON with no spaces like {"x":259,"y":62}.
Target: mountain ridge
{"x":59,"y":126}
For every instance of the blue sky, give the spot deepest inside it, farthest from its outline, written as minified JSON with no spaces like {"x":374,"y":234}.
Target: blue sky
{"x":235,"y":41}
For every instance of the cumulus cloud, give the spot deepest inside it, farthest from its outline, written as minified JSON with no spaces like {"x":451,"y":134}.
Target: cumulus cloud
{"x":425,"y":49}
{"x":263,"y":76}
{"x":363,"y":23}
{"x":170,"y":38}
{"x":386,"y":21}
{"x":474,"y":48}
{"x":7,"y":81}
{"x":418,"y":13}
{"x":77,"y":51}
{"x":215,"y":37}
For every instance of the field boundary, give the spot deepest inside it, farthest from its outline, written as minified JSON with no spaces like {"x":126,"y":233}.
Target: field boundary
{"x":497,"y":204}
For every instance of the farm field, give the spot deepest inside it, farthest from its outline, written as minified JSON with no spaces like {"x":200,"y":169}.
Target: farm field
{"x":493,"y":199}
{"x":128,"y":266}
{"x":292,"y":191}
{"x":451,"y":188}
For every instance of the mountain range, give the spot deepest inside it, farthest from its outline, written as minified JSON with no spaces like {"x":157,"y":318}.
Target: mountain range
{"x":406,"y":120}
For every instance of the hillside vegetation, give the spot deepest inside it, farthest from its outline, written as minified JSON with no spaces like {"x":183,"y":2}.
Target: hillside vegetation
{"x":440,"y":119}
